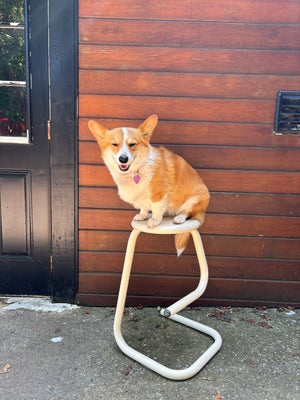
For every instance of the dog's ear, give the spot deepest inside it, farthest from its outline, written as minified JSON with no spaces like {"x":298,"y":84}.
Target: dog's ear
{"x":98,"y":131}
{"x":148,"y":126}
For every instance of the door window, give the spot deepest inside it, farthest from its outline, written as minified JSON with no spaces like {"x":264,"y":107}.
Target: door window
{"x":14,"y":113}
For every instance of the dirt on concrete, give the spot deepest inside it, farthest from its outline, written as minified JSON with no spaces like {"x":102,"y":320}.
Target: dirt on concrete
{"x":51,"y":354}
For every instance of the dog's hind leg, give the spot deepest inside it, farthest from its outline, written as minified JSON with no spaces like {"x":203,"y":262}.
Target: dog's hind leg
{"x":186,"y":210}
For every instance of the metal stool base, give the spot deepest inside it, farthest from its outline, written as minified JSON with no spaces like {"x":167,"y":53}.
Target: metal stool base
{"x":167,"y":227}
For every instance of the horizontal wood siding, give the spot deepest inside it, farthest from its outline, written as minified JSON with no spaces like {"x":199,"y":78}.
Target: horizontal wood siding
{"x":226,"y":157}
{"x":189,"y":35}
{"x":211,"y":73}
{"x":182,"y":84}
{"x":254,"y":11}
{"x":185,"y":60}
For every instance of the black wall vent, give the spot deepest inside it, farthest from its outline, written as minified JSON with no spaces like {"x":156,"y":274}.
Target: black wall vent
{"x":287,"y":115}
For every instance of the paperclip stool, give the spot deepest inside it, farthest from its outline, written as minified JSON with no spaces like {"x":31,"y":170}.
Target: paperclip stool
{"x":167,"y":227}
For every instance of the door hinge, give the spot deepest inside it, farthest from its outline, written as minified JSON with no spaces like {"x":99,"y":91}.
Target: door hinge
{"x":51,"y":265}
{"x":49,"y":130}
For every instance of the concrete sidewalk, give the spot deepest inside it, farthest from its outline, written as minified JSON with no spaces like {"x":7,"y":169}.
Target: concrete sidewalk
{"x":70,"y":353}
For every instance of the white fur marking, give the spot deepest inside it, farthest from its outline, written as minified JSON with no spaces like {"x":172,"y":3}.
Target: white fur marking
{"x":151,"y":155}
{"x":124,"y":148}
{"x":179,"y":219}
{"x":180,"y":251}
{"x":125,"y":131}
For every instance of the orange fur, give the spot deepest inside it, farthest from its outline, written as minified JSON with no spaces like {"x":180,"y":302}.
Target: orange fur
{"x":167,"y":184}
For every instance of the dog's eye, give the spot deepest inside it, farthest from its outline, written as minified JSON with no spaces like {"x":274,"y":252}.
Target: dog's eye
{"x":115,"y":144}
{"x":132,"y":144}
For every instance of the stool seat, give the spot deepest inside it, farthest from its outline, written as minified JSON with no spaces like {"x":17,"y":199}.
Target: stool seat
{"x":167,"y":226}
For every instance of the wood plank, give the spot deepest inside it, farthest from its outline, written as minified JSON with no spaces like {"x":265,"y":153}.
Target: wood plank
{"x":216,"y":180}
{"x":93,"y":175}
{"x":216,"y":157}
{"x":254,"y":204}
{"x":90,"y":198}
{"x":240,"y":158}
{"x":186,"y":34}
{"x":101,"y":198}
{"x":202,"y":133}
{"x":261,"y":11}
{"x":252,"y":181}
{"x":180,"y":109}
{"x":180,"y":84}
{"x":214,"y":245}
{"x":187,"y":265}
{"x":215,"y":224}
{"x":180,"y":286}
{"x":258,"y":62}
{"x":220,"y":202}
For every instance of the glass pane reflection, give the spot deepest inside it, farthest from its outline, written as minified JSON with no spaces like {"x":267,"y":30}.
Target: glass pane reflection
{"x":12,"y":11}
{"x":13,"y":94}
{"x":12,"y":55}
{"x":13,"y":111}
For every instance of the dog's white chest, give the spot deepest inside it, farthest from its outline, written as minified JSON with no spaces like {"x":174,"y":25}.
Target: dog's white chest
{"x":137,"y":194}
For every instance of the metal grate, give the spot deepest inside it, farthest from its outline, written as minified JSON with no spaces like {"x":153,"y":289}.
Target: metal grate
{"x":287,"y":115}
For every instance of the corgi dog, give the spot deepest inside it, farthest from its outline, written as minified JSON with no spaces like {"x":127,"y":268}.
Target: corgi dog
{"x":152,"y":179}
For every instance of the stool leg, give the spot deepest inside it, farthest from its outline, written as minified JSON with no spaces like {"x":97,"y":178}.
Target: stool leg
{"x":194,"y":295}
{"x":124,"y":286}
{"x":129,"y":351}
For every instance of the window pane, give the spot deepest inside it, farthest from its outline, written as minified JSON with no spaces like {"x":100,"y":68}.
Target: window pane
{"x":12,"y":55}
{"x":13,"y":111}
{"x":12,"y":11}
{"x":13,"y":94}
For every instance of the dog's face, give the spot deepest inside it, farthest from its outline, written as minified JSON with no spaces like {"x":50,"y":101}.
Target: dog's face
{"x":123,"y":149}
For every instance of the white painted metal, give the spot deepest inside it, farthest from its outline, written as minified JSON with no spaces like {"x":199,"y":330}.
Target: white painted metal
{"x":167,"y":227}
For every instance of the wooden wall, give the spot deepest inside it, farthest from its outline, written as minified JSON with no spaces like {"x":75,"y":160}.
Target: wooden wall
{"x":211,"y":73}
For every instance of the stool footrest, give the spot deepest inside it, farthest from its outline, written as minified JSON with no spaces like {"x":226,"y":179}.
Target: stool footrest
{"x":175,"y":374}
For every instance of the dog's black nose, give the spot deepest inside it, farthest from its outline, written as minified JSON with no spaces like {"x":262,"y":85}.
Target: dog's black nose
{"x":123,"y":159}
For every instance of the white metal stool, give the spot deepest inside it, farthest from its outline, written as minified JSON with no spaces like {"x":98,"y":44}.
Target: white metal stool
{"x":167,"y":227}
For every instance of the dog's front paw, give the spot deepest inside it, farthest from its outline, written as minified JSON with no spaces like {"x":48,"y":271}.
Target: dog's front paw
{"x":153,"y":222}
{"x":140,"y":217}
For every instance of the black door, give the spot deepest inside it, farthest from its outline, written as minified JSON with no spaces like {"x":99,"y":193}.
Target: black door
{"x":38,"y":152}
{"x":25,"y":236}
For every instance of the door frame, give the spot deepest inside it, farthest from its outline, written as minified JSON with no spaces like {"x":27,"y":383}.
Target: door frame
{"x":63,"y":132}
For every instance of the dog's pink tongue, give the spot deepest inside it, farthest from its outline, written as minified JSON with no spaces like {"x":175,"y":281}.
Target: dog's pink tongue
{"x":123,"y":166}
